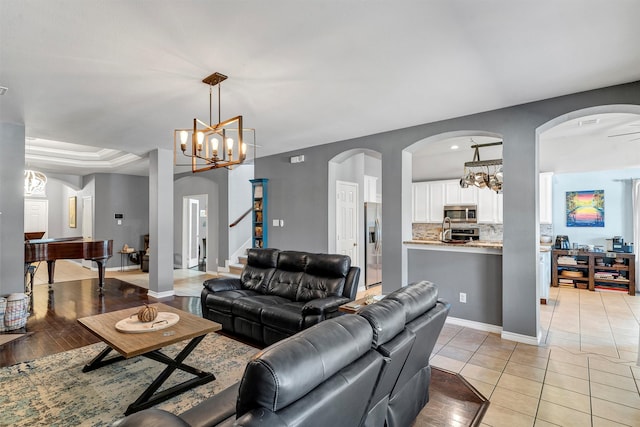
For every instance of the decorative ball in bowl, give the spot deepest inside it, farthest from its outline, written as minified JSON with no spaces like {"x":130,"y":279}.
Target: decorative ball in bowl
{"x":147,"y":314}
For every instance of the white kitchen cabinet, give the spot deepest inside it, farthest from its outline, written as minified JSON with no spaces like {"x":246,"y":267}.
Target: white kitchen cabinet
{"x":436,"y":200}
{"x":420,"y":201}
{"x":429,"y":198}
{"x":370,"y":188}
{"x":544,"y":281}
{"x":456,"y":195}
{"x":489,"y":206}
{"x":546,"y":197}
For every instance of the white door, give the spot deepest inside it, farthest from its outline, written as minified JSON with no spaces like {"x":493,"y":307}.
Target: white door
{"x":36,"y":215}
{"x":190,"y":238}
{"x":347,"y":220}
{"x":87,"y":224}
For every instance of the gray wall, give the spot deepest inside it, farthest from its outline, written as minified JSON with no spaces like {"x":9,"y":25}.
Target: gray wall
{"x":125,"y":194}
{"x":294,"y":192}
{"x":11,"y":208}
{"x":477,"y":275}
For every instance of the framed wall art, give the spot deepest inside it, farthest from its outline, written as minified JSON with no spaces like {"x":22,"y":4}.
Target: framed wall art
{"x":72,"y":212}
{"x":585,"y":208}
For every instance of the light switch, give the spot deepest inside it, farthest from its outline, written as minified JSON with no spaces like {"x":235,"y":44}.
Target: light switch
{"x":282,"y":223}
{"x":276,"y":223}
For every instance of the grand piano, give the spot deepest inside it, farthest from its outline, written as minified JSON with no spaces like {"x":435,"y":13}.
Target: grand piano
{"x":51,"y":250}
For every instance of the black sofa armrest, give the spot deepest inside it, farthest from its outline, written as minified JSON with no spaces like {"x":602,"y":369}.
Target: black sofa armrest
{"x":151,"y":418}
{"x":214,"y":410}
{"x":324,"y":305}
{"x":260,"y":417}
{"x":220,"y":284}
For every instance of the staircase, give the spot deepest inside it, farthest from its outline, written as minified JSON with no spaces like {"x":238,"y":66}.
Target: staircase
{"x":236,"y":269}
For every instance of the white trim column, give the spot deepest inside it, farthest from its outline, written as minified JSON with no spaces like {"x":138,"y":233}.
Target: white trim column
{"x":161,"y":223}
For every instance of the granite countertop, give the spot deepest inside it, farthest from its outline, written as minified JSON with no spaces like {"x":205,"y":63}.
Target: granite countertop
{"x":473,"y":244}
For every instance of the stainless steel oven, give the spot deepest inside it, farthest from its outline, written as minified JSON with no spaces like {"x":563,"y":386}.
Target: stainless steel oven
{"x":461,"y":213}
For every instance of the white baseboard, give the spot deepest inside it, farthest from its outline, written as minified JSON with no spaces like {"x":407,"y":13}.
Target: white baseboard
{"x":525,"y":339}
{"x":474,"y":325}
{"x":160,"y":295}
{"x":510,"y":336}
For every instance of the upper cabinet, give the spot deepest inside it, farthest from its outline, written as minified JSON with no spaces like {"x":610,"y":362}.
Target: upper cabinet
{"x":546,"y":193}
{"x":429,"y":198}
{"x":371,"y":189}
{"x":489,"y":206}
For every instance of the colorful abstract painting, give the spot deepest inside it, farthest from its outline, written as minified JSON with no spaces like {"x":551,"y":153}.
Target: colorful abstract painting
{"x":585,"y":208}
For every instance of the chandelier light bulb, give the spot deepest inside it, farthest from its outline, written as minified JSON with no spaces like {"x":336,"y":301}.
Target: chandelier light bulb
{"x":244,"y":149}
{"x":183,"y":140}
{"x":200,"y":139}
{"x":230,"y":146}
{"x":214,"y":145}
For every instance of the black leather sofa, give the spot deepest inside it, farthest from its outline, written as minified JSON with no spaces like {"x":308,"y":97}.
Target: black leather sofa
{"x":370,"y":369}
{"x":280,"y":293}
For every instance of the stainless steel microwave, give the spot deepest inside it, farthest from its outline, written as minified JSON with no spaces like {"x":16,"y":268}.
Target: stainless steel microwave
{"x":461,"y":213}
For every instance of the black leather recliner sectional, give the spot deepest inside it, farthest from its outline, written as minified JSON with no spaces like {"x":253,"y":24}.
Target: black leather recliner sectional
{"x":370,"y":369}
{"x":280,"y":293}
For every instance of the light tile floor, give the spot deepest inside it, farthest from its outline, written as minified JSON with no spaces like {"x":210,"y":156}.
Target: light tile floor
{"x":585,"y":372}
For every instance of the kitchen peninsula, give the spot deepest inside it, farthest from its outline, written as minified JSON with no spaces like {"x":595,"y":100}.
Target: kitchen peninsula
{"x":468,"y":274}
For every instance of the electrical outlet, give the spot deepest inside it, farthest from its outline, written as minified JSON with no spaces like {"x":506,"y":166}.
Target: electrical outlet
{"x":463,"y":297}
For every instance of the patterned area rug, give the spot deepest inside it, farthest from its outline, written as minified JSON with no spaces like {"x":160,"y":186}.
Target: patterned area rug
{"x":53,"y":390}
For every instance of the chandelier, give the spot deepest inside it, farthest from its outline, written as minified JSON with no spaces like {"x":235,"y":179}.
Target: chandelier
{"x":483,"y":173}
{"x":212,"y":146}
{"x":34,"y":182}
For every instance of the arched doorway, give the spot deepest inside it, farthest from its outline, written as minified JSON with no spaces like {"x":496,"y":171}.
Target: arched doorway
{"x":355,"y":186}
{"x":596,"y":148}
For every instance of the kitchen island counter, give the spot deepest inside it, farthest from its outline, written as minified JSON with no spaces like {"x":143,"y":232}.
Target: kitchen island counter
{"x":468,"y":275}
{"x":476,"y":246}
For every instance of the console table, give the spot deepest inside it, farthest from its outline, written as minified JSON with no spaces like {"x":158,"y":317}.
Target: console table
{"x":594,"y":270}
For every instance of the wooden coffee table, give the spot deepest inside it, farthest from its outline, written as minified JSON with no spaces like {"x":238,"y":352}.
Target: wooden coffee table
{"x":148,"y":344}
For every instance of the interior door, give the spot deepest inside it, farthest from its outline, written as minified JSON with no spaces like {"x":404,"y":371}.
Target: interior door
{"x":36,"y":215}
{"x":347,"y":220}
{"x":193,"y":233}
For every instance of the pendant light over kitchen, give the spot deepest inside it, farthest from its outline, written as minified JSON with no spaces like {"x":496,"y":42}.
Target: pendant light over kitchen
{"x":483,"y":173}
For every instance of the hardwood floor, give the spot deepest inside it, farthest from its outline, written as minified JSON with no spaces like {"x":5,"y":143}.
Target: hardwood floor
{"x":53,"y":327}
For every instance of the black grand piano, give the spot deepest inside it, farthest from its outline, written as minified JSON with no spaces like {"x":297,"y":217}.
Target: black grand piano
{"x":51,"y":250}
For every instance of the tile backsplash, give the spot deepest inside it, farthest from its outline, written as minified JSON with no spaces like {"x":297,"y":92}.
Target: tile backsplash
{"x":488,"y":232}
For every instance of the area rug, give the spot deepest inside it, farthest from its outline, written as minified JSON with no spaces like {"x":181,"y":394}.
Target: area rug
{"x":53,"y":390}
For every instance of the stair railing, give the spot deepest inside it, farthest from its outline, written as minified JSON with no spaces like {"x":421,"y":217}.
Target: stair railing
{"x":234,"y":223}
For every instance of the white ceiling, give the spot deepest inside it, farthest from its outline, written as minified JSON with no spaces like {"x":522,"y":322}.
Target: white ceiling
{"x":122,"y":75}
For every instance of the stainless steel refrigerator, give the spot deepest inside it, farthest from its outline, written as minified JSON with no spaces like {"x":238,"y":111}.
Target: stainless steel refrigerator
{"x":373,"y":244}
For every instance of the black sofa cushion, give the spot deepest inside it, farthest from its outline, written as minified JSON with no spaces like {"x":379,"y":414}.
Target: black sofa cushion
{"x":290,"y":369}
{"x":223,"y":301}
{"x":260,"y":267}
{"x":387,"y":320}
{"x":251,"y":307}
{"x":325,"y":275}
{"x":287,"y":316}
{"x":416,"y":299}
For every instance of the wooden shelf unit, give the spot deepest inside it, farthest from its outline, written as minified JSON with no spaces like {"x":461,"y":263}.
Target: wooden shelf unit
{"x":259,"y":224}
{"x":592,"y":272}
